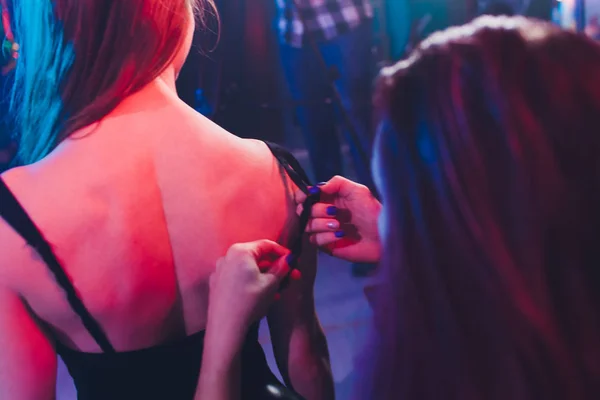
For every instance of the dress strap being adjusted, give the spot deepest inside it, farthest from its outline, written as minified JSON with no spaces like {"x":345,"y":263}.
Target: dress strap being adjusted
{"x":291,"y":166}
{"x":301,"y":179}
{"x":16,"y":216}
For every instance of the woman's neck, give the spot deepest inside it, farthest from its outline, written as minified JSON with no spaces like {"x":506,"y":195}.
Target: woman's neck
{"x":154,"y":95}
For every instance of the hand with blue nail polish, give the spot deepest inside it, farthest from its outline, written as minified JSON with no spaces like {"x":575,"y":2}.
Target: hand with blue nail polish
{"x":344,"y":222}
{"x":314,"y":190}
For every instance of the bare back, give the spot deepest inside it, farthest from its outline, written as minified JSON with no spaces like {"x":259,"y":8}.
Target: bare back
{"x":138,"y":210}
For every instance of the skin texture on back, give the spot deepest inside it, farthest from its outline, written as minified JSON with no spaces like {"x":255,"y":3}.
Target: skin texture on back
{"x":138,"y":210}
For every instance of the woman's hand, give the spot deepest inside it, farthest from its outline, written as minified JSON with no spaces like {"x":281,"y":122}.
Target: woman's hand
{"x":344,"y":223}
{"x":244,"y":285}
{"x":242,"y":288}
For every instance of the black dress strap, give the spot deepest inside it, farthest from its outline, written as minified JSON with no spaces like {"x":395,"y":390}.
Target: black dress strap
{"x":301,"y":179}
{"x":291,"y":166}
{"x":16,"y":216}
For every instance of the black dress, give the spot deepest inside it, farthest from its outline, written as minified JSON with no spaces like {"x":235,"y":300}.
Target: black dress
{"x":166,"y":371}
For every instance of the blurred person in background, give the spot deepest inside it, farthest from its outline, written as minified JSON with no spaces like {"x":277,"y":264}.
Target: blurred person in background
{"x":487,"y":162}
{"x":8,"y":55}
{"x":7,"y":142}
{"x":127,"y":198}
{"x":499,"y":8}
{"x":593,"y":28}
{"x":342,"y":34}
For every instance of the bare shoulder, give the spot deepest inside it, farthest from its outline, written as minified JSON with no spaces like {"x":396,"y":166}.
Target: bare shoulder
{"x":194,"y":140}
{"x":242,"y":173}
{"x":279,"y":189}
{"x":7,"y":241}
{"x":266,"y":168}
{"x":15,"y":251}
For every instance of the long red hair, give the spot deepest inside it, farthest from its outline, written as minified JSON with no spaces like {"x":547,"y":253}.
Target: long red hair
{"x":80,"y":58}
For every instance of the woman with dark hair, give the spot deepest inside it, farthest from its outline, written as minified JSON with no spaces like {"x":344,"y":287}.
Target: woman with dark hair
{"x":499,"y":8}
{"x":125,"y":200}
{"x":488,"y":166}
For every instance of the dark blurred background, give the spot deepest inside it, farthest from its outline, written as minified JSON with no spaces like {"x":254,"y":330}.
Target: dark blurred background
{"x":237,"y":81}
{"x":239,"y":84}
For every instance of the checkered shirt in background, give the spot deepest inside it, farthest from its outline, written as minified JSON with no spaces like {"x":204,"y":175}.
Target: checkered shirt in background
{"x":325,"y":19}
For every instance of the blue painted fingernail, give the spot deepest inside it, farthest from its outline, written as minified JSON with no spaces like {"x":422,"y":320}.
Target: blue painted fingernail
{"x":321,"y":184}
{"x":314,"y":190}
{"x":340,"y":234}
{"x":291,"y":259}
{"x":332,"y":211}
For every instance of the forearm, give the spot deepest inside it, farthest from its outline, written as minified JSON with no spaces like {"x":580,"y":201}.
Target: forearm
{"x":220,"y":374}
{"x":302,"y":354}
{"x":308,"y":363}
{"x":219,"y":381}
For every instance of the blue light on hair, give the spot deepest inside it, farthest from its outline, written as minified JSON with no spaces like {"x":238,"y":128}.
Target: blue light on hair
{"x":45,"y":59}
{"x":424,"y":143}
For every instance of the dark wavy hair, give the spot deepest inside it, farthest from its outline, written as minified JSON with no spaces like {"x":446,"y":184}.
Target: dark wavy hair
{"x":499,"y":8}
{"x":80,"y":58}
{"x":489,"y":168}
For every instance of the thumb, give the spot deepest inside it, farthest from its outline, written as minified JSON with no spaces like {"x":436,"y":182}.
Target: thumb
{"x":337,"y":186}
{"x":278,"y":271}
{"x":266,"y":249}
